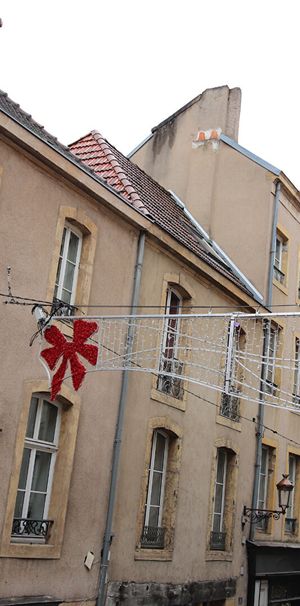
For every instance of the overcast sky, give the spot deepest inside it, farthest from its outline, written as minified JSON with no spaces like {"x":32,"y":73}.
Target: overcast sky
{"x":123,"y":66}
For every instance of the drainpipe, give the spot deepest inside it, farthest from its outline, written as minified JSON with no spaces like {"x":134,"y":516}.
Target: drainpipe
{"x":273,"y":245}
{"x":260,"y":415}
{"x":119,"y":428}
{"x":260,"y":422}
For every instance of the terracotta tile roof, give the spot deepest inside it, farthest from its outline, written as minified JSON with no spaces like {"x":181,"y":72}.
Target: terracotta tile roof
{"x":146,"y":194}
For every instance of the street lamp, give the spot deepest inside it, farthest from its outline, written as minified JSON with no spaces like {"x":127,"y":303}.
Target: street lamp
{"x":284,"y":488}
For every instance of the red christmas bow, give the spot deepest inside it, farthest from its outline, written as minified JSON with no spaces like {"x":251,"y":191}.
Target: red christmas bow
{"x":69,"y":351}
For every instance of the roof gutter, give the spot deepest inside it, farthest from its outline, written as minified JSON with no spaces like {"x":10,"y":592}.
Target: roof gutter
{"x":213,"y":247}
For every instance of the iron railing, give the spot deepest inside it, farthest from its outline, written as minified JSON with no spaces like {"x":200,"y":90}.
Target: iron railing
{"x":61,"y":308}
{"x":230,"y":406}
{"x":173,"y":386}
{"x":279,"y":275}
{"x":24,"y":527}
{"x":290,"y":525}
{"x":153,"y":537}
{"x":217,"y":541}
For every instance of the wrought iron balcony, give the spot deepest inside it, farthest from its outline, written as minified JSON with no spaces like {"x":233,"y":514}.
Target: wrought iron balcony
{"x":290,"y":525}
{"x":153,"y":537}
{"x":60,"y":308}
{"x":279,"y":275}
{"x":217,"y":541}
{"x":173,"y":386}
{"x":24,"y":527}
{"x":230,"y":406}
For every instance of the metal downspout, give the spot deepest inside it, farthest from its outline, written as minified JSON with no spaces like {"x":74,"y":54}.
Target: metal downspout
{"x":119,"y":428}
{"x":260,"y":415}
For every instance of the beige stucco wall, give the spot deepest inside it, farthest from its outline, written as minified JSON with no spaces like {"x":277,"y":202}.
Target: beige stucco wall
{"x":30,"y":200}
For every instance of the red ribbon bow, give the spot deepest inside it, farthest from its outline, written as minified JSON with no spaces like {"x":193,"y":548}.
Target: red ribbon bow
{"x":69,"y":351}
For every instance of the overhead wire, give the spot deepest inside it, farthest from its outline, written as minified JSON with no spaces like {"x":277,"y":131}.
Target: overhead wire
{"x":31,"y":300}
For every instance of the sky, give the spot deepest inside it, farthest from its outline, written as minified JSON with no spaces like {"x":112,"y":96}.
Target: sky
{"x":121,"y":67}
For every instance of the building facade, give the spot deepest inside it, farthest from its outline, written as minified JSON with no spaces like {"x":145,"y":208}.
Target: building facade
{"x":85,"y":226}
{"x":251,"y":209}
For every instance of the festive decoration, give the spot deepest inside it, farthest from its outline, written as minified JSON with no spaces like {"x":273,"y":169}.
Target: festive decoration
{"x":69,"y":351}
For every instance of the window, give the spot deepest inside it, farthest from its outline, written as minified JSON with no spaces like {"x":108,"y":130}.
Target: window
{"x":218,"y":536}
{"x":41,"y":468}
{"x":280,"y":258}
{"x":271,"y":359}
{"x":68,"y":265}
{"x":156,"y":518}
{"x":296,"y":390}
{"x":290,"y":516}
{"x":169,"y":362}
{"x":264,"y":492}
{"x":153,"y":532}
{"x":230,"y":403}
{"x":37,"y":467}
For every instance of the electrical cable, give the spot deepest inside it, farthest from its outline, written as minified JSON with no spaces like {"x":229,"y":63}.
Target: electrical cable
{"x":30,"y":301}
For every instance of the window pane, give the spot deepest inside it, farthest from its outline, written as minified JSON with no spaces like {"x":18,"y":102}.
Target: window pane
{"x":63,"y":242}
{"x":159,"y":452}
{"x":69,"y":276}
{"x":24,"y":468}
{"x":41,"y":471}
{"x":36,"y":506}
{"x":218,"y":498}
{"x":31,"y":417}
{"x":19,"y":504}
{"x":73,"y":247}
{"x":156,"y":488}
{"x":217,"y":523}
{"x":153,"y":516}
{"x":221,"y":464}
{"x":65,"y":296}
{"x":48,"y":422}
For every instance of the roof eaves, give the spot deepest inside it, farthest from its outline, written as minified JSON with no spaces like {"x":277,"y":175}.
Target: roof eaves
{"x":68,"y":155}
{"x":250,"y":155}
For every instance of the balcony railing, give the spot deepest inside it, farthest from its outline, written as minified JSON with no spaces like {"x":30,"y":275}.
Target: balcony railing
{"x":60,"y":308}
{"x":217,"y":541}
{"x":290,"y":525}
{"x":279,"y":275}
{"x":153,"y":537}
{"x":173,"y":386}
{"x":23,"y":527}
{"x":230,"y":406}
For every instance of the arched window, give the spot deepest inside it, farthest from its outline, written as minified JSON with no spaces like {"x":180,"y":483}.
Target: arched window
{"x":68,"y":265}
{"x":153,"y":532}
{"x":37,"y":469}
{"x":223,"y":500}
{"x":170,"y":363}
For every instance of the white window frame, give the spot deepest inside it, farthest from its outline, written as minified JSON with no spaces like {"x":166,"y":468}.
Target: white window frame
{"x":263,"y":474}
{"x":34,"y":444}
{"x":292,"y":477}
{"x":148,"y":505}
{"x":271,"y":359}
{"x":167,"y":329}
{"x":279,"y":252}
{"x":59,"y":280}
{"x":297,"y":370}
{"x":223,"y":484}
